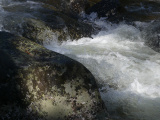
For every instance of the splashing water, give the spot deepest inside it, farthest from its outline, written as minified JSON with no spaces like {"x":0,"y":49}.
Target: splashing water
{"x":126,"y":69}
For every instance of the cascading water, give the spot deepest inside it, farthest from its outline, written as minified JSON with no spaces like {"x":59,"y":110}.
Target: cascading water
{"x":126,"y":70}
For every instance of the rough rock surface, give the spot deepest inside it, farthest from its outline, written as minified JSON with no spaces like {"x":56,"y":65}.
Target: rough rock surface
{"x":105,"y":8}
{"x":68,"y":6}
{"x":59,"y":26}
{"x":36,"y":83}
{"x":45,"y":19}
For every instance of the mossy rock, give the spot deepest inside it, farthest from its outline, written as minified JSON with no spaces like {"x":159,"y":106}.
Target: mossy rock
{"x":37,"y":83}
{"x":39,"y":32}
{"x":47,"y":24}
{"x":56,"y":26}
{"x":151,"y":35}
{"x":73,"y":7}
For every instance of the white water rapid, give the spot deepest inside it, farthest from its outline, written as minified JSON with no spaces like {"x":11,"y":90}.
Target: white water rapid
{"x":127,"y":70}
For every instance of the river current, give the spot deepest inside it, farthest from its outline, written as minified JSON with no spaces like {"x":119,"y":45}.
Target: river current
{"x":126,"y":69}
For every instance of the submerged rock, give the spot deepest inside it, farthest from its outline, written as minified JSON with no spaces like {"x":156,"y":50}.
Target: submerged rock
{"x":37,"y":83}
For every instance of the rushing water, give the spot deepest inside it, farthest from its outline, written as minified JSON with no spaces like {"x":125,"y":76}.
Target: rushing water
{"x":126,"y":70}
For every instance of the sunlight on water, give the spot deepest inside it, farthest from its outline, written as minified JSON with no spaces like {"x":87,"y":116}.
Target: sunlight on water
{"x":126,"y":69}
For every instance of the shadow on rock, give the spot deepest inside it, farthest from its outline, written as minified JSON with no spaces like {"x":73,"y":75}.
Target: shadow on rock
{"x":40,"y":84}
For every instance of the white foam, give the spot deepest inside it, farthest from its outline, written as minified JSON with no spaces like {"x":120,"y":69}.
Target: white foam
{"x":150,"y":90}
{"x":127,"y":68}
{"x":118,"y":58}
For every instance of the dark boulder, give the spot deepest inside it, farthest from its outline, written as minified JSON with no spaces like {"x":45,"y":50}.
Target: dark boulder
{"x":70,"y":7}
{"x":45,"y":21}
{"x":105,"y":8}
{"x":37,"y":83}
{"x":73,"y":7}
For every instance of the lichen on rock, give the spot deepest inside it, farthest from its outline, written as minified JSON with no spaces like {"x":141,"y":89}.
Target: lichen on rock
{"x":43,"y":84}
{"x":45,"y":31}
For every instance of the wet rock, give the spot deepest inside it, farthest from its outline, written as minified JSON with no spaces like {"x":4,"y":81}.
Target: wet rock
{"x":78,"y":6}
{"x":105,"y":8}
{"x":37,"y":83}
{"x":152,"y":35}
{"x":45,"y":21}
{"x":139,"y":10}
{"x":39,"y":32}
{"x":93,"y":2}
{"x":56,"y":26}
{"x":73,"y":7}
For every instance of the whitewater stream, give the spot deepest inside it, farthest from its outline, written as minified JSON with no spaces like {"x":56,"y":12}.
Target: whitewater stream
{"x":127,"y":71}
